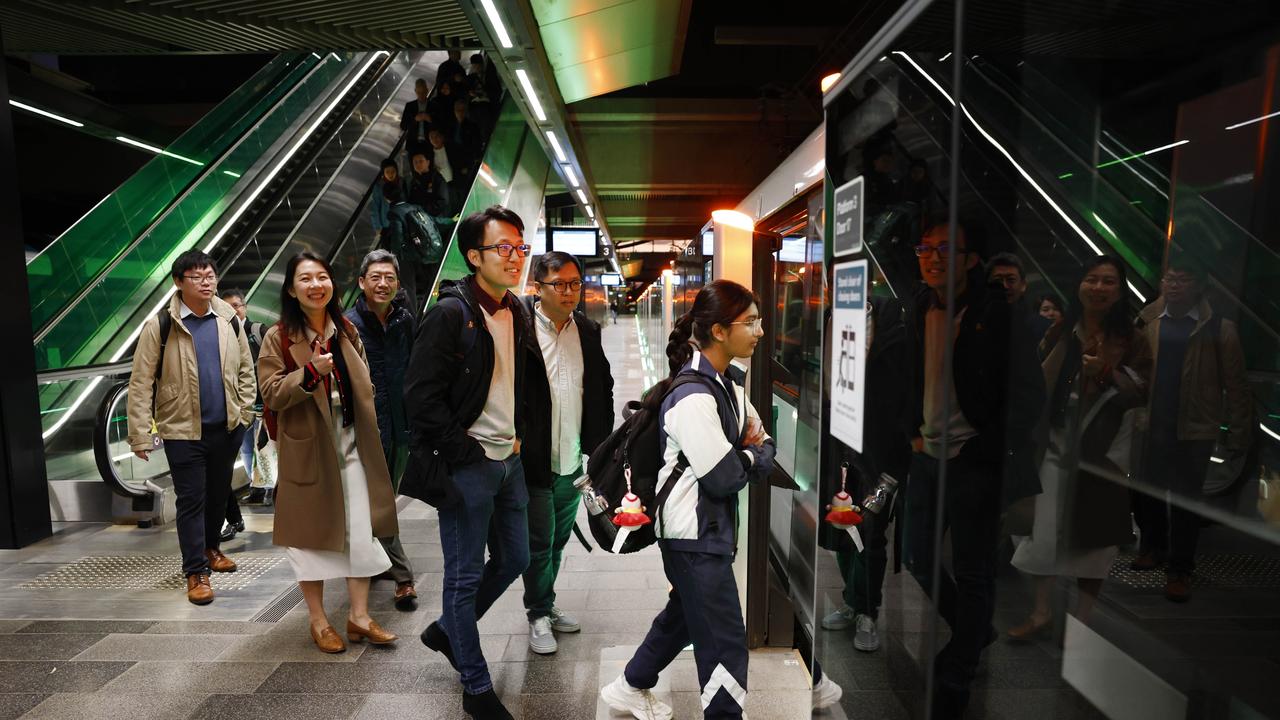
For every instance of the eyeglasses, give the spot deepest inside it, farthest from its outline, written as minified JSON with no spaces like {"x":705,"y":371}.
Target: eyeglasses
{"x":752,"y":325}
{"x":1008,"y":281}
{"x":380,"y":277}
{"x":202,"y":279}
{"x":1178,"y":280}
{"x":504,"y":249}
{"x":562,"y":286}
{"x":942,"y":250}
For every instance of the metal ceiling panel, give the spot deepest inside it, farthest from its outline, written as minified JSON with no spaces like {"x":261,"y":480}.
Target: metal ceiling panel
{"x":589,"y":55}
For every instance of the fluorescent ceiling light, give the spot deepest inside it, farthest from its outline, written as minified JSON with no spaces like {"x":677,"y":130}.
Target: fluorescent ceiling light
{"x":582,"y":195}
{"x":228,"y":172}
{"x":944,"y":57}
{"x":569,"y":173}
{"x":1269,"y":431}
{"x":1229,"y":127}
{"x":503,"y":38}
{"x":591,"y":213}
{"x":45,"y":113}
{"x":530,"y":95}
{"x":156,"y":150}
{"x":829,"y":81}
{"x":316,"y":56}
{"x":1105,"y":226}
{"x":555,"y":145}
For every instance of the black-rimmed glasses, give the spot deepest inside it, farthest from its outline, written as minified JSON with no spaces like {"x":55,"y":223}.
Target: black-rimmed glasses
{"x":563,"y":286}
{"x":504,"y":249}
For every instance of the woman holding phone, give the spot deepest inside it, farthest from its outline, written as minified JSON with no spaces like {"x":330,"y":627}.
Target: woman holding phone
{"x":333,"y":492}
{"x":712,"y":430}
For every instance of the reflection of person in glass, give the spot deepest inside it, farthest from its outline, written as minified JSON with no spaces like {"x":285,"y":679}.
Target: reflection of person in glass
{"x":1198,"y":387}
{"x":884,"y":450}
{"x":1097,"y":368}
{"x":978,"y":422}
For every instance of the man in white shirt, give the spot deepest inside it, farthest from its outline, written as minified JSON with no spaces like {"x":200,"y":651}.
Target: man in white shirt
{"x":568,"y":411}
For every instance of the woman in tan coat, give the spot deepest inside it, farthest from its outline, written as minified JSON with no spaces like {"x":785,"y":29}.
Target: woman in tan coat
{"x":333,"y":494}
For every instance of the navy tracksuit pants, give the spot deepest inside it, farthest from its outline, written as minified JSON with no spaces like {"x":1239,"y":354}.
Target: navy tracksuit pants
{"x":703,"y":608}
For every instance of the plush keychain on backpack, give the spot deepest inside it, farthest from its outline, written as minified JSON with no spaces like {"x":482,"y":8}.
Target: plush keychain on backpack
{"x":630,"y":514}
{"x":843,"y":513}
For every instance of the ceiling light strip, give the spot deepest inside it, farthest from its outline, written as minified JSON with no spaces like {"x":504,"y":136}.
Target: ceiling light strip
{"x":523,"y":76}
{"x":555,"y":146}
{"x":45,"y":113}
{"x":496,"y":21}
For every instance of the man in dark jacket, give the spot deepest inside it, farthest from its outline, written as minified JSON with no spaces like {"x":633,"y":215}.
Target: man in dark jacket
{"x":386,"y":330}
{"x":464,"y":391}
{"x":415,"y":120}
{"x":569,"y":411}
{"x":976,"y":426}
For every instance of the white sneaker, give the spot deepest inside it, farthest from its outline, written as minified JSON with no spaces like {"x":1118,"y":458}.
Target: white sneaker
{"x":562,"y":621}
{"x":541,"y":639}
{"x":826,"y":693}
{"x":865,"y":637}
{"x":642,"y":705}
{"x":840,"y":619}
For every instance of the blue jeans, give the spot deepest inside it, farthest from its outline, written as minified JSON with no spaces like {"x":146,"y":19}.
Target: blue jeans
{"x":491,"y":510}
{"x":246,"y":448}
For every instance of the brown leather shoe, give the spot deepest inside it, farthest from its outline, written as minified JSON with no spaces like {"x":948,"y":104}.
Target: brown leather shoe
{"x":1177,"y":587}
{"x":406,"y":597}
{"x":1027,"y":631}
{"x":375,"y":635}
{"x":198,"y":590}
{"x":327,"y":640}
{"x":219,"y":562}
{"x":1146,"y":561}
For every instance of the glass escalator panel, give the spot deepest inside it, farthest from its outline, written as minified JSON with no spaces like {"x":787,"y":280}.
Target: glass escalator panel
{"x":61,"y":271}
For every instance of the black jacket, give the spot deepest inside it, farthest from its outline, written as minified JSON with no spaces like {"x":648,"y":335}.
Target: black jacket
{"x":997,"y":378}
{"x":408,"y":124}
{"x":427,"y":192}
{"x":387,"y":350}
{"x":597,"y":398}
{"x":446,"y":387}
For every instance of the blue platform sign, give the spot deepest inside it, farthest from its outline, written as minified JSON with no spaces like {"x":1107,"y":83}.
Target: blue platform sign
{"x":848,"y":354}
{"x":847,"y":218}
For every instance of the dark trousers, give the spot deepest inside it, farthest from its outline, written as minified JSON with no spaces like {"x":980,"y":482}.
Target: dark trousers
{"x":966,"y":600}
{"x":233,"y":508}
{"x":1178,"y":467}
{"x":201,"y":472}
{"x":703,"y":607}
{"x":401,"y":570}
{"x":551,"y":514}
{"x":863,"y":572}
{"x":490,"y":511}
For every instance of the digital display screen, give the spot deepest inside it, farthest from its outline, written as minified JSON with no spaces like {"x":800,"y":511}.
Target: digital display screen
{"x":537,"y":242}
{"x":611,"y":280}
{"x":708,"y":243}
{"x":792,"y":249}
{"x":579,"y":242}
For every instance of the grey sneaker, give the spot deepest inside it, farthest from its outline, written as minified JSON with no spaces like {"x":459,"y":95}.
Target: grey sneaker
{"x":541,"y":639}
{"x":865,"y":637}
{"x":562,"y":621}
{"x":642,"y":705}
{"x":840,"y":619}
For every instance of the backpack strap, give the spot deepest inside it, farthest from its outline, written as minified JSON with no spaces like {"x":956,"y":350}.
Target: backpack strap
{"x":470,"y":332}
{"x":166,"y":324}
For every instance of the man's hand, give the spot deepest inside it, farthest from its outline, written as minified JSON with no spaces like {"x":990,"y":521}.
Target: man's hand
{"x":917,"y":444}
{"x":143,"y":455}
{"x":515,"y":449}
{"x":321,"y":360}
{"x":755,"y":433}
{"x":422,"y":117}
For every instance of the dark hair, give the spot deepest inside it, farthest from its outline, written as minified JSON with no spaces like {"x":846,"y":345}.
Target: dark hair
{"x":1185,"y":262}
{"x":721,"y":303}
{"x":1005,"y":259}
{"x":477,"y":59}
{"x":388,"y":163}
{"x":974,"y":240}
{"x":291,"y":315}
{"x":553,"y":261}
{"x":471,"y":229}
{"x":192,"y":260}
{"x":1053,"y":300}
{"x":1119,"y":321}
{"x":231,"y":292}
{"x":420,"y":82}
{"x":425,"y":156}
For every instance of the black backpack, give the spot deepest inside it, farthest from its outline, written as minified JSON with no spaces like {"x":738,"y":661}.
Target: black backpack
{"x":634,"y":445}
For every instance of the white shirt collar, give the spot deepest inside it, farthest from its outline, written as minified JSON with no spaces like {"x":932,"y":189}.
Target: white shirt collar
{"x":1194,"y":314}
{"x":537,"y":312}
{"x":184,"y":311}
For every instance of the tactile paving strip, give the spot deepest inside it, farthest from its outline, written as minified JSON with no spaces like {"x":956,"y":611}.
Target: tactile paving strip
{"x":1225,"y":570}
{"x":143,"y":572}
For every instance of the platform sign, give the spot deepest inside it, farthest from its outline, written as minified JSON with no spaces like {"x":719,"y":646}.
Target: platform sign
{"x":848,"y":352}
{"x":849,"y":199}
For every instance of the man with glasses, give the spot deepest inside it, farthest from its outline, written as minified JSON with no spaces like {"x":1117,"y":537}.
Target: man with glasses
{"x":1198,"y":387}
{"x":1006,"y":271}
{"x":193,"y":387}
{"x":976,"y":424}
{"x":464,"y":394}
{"x":568,"y":411}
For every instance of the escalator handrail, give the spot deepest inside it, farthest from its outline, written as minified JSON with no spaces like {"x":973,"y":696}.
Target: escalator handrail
{"x":102,"y":445}
{"x":209,"y":169}
{"x":84,"y":372}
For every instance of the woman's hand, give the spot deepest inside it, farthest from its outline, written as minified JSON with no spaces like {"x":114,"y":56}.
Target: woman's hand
{"x":321,"y":361}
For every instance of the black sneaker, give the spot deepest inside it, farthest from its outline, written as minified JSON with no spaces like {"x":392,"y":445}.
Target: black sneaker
{"x":229,"y":530}
{"x":485,"y":706}
{"x":434,"y":638}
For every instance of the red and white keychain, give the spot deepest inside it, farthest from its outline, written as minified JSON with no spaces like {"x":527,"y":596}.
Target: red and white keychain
{"x":629,"y":515}
{"x":842,"y":513}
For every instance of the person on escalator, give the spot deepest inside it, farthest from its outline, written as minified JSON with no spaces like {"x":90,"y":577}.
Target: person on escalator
{"x":453,"y":165}
{"x":478,"y":93}
{"x":441,"y":105}
{"x":415,"y":120}
{"x":386,"y":329}
{"x":714,"y":439}
{"x":465,"y":133}
{"x":1006,"y":270}
{"x":427,"y":187}
{"x":450,"y":67}
{"x":192,"y":387}
{"x":387,"y":191}
{"x":879,"y":162}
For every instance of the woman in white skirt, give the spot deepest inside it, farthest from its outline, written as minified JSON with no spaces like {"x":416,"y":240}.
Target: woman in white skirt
{"x":333,"y":493}
{"x":1097,"y":369}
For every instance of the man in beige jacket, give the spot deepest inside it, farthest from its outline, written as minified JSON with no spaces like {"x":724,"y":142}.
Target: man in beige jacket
{"x":200,"y":404}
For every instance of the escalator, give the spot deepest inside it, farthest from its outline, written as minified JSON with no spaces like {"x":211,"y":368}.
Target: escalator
{"x":307,"y":159}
